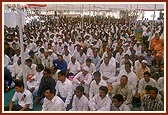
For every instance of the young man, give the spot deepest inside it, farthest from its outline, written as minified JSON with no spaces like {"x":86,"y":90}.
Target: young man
{"x":95,"y":84}
{"x":118,"y":103}
{"x":151,"y":102}
{"x":24,"y":97}
{"x":100,"y":102}
{"x":64,"y":89}
{"x":46,"y":81}
{"x":80,"y":101}
{"x":52,"y":102}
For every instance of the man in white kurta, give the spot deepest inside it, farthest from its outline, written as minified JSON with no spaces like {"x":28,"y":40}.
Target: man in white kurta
{"x":64,"y":88}
{"x":80,"y":101}
{"x":95,"y":84}
{"x":107,"y":71}
{"x":83,"y":78}
{"x":52,"y":102}
{"x":73,"y":66}
{"x":100,"y":102}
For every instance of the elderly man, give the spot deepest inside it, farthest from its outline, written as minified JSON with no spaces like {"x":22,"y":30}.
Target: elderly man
{"x":83,"y":78}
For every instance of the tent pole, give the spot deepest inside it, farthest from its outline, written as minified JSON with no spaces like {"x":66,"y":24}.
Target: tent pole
{"x":21,"y":46}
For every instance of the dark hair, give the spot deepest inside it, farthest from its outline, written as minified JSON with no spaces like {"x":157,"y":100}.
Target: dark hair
{"x":128,"y":64}
{"x":88,"y":60}
{"x":125,"y":76}
{"x":31,"y":52}
{"x":155,"y":89}
{"x":81,"y":88}
{"x":148,"y":87}
{"x":61,"y":73}
{"x":147,"y":73}
{"x":28,"y":60}
{"x":103,"y":88}
{"x":47,"y":70}
{"x":119,"y":97}
{"x":52,"y":90}
{"x":40,"y":66}
{"x":97,"y":73}
{"x":19,"y":84}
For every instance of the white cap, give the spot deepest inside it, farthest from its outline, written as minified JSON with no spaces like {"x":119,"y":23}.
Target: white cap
{"x":86,"y":68}
{"x":144,"y":61}
{"x":50,"y":50}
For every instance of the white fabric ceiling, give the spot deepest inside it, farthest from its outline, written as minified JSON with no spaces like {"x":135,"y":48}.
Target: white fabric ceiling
{"x":109,"y":6}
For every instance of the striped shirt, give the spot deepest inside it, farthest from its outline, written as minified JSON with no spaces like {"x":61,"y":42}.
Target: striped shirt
{"x":149,"y":104}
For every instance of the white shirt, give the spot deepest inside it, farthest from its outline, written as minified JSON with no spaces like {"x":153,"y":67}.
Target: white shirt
{"x":143,"y":83}
{"x":47,"y":62}
{"x":107,"y":70}
{"x":119,"y":57}
{"x":123,"y":107}
{"x":87,"y":79}
{"x":30,"y":70}
{"x":94,"y":87}
{"x":17,"y":71}
{"x":67,"y":58}
{"x":81,"y":59}
{"x":125,"y":91}
{"x":15,"y":58}
{"x":80,"y":104}
{"x":160,"y":82}
{"x":99,"y":104}
{"x":74,"y":68}
{"x":92,"y":68}
{"x":36,"y":82}
{"x":56,"y":104}
{"x":6,"y":60}
{"x":65,"y":90}
{"x":24,"y":98}
{"x":132,"y":79}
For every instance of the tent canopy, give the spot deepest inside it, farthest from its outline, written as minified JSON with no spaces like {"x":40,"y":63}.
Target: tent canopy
{"x":108,"y":6}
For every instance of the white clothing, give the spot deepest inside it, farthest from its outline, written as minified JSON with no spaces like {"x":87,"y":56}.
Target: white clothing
{"x":30,"y":70}
{"x":87,"y":79}
{"x":56,"y":104}
{"x":65,"y":90}
{"x":94,"y":87}
{"x":17,"y":71}
{"x":123,"y":107}
{"x":92,"y":68}
{"x":74,"y":68}
{"x":99,"y":104}
{"x":6,"y":60}
{"x":143,"y":83}
{"x":24,"y":98}
{"x":80,"y":104}
{"x":108,"y":71}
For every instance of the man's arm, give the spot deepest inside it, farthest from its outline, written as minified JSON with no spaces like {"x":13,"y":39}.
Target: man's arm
{"x":11,"y":105}
{"x":25,"y":107}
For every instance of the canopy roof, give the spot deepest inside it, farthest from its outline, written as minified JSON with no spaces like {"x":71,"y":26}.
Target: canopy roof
{"x":108,"y":6}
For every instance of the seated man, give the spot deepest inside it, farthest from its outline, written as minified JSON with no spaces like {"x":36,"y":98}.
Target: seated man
{"x":80,"y":101}
{"x":52,"y":102}
{"x":151,"y":102}
{"x":100,"y":102}
{"x":64,"y":90}
{"x":8,"y":79}
{"x":118,"y":103}
{"x":24,"y":97}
